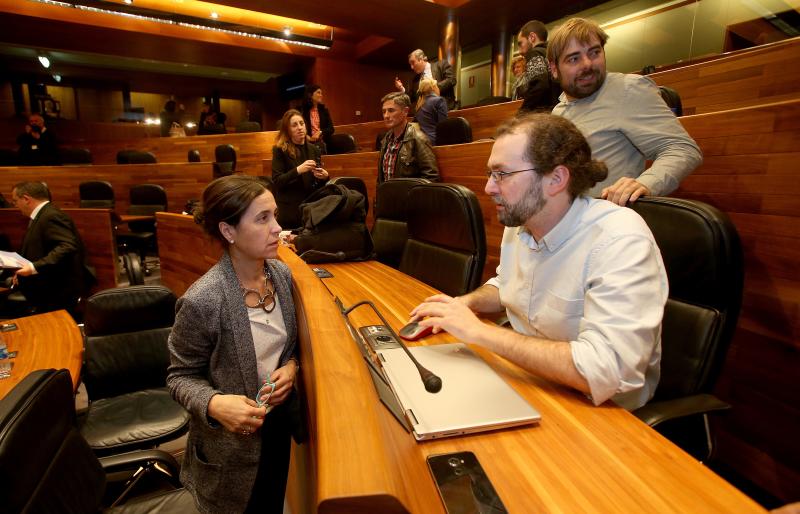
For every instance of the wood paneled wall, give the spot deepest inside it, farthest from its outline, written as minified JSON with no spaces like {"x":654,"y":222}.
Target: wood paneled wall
{"x":176,"y":233}
{"x":762,"y":75}
{"x":97,"y":232}
{"x":181,"y":181}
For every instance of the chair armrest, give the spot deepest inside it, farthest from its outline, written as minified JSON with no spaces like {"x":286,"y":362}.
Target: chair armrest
{"x":657,"y":412}
{"x":129,"y":460}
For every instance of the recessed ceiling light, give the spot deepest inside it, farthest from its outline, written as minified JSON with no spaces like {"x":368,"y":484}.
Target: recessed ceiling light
{"x":57,"y":78}
{"x":214,"y":15}
{"x":45,"y":61}
{"x":128,"y":1}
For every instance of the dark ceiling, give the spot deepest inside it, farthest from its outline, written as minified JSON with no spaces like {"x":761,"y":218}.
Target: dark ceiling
{"x":375,"y":32}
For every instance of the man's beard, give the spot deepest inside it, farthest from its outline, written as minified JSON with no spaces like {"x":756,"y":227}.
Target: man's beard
{"x":575,"y":91}
{"x":532,"y":203}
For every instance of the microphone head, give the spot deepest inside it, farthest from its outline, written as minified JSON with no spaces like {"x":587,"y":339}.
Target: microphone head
{"x":433,"y":384}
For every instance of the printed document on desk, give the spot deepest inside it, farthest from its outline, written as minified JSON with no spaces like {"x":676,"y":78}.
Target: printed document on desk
{"x":12,"y":260}
{"x":474,"y":398}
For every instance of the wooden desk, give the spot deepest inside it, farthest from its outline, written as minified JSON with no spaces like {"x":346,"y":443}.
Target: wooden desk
{"x":580,"y":458}
{"x":127,"y":218}
{"x":50,"y":340}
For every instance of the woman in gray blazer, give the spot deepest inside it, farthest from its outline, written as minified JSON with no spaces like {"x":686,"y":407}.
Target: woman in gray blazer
{"x":234,"y":341}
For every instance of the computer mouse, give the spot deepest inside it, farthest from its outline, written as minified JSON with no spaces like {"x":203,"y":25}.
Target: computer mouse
{"x":413,"y":331}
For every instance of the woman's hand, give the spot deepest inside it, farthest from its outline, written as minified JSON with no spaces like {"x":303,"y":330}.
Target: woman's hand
{"x":309,"y":165}
{"x":283,"y":378}
{"x":236,"y":413}
{"x":321,"y":174}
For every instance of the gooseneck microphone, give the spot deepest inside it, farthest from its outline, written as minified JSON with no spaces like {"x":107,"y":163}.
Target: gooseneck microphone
{"x":336,"y":256}
{"x":433,"y":384}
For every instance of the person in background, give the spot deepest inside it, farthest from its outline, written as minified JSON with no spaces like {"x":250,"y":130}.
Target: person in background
{"x":317,"y":118}
{"x":213,"y":123}
{"x":58,"y":275}
{"x":537,"y":88}
{"x":518,"y":70}
{"x":431,"y":108}
{"x":233,"y":356}
{"x":171,"y":114}
{"x":622,"y":116}
{"x":405,"y":151}
{"x":37,"y":145}
{"x":440,"y":71}
{"x":296,"y":168}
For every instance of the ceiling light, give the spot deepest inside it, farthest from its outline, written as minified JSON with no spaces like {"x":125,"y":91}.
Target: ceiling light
{"x":129,"y":2}
{"x":45,"y":61}
{"x":57,"y":78}
{"x":214,"y":15}
{"x":287,"y":31}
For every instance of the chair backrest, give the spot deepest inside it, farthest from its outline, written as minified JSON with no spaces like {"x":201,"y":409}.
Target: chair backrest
{"x":390,"y":232}
{"x":75,"y":155}
{"x":491,"y":100}
{"x":96,"y":194}
{"x":147,"y":199}
{"x":703,"y":257}
{"x":356,"y":184}
{"x":248,"y":126}
{"x":225,"y":160}
{"x":341,"y":143}
{"x":126,"y":340}
{"x":672,"y":99}
{"x":193,"y":155}
{"x":135,"y":157}
{"x":453,"y":131}
{"x":45,"y":464}
{"x":446,"y":245}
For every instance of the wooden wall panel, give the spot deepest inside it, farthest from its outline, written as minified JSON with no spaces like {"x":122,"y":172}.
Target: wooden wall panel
{"x":181,"y":181}
{"x":179,"y":268}
{"x":96,"y":230}
{"x":764,"y":74}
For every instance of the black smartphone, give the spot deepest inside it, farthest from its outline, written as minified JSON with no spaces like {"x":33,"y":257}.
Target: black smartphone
{"x":463,"y":485}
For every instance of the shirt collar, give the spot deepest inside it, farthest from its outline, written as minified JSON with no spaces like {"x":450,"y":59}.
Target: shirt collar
{"x":37,"y":209}
{"x":559,"y":234}
{"x":426,"y":73}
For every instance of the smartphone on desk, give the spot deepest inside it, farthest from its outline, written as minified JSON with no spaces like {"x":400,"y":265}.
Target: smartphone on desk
{"x":463,"y":484}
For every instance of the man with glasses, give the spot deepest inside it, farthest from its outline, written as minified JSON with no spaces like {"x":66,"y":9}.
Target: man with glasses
{"x":580,"y":279}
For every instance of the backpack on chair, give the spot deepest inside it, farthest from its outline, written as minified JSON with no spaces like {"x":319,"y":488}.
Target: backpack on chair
{"x":334,"y":227}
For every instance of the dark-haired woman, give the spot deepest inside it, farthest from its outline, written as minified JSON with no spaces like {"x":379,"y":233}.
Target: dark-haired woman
{"x":296,"y":168}
{"x":234,"y":357}
{"x":318,"y":120}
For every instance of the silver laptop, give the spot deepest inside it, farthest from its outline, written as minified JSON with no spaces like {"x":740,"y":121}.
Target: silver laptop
{"x":473,"y":397}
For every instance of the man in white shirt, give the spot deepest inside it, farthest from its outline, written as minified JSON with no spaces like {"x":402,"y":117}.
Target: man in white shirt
{"x":622,"y":116}
{"x":580,"y":279}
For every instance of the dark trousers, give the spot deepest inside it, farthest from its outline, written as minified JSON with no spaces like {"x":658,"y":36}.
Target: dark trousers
{"x":273,"y":468}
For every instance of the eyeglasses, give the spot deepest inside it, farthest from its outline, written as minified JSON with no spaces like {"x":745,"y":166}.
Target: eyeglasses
{"x":498,"y":176}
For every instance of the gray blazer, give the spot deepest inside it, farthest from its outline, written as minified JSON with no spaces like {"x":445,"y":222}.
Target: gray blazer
{"x":212,"y":352}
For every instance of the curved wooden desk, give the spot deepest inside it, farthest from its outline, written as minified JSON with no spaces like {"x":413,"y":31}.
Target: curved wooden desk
{"x":50,"y":340}
{"x":580,"y":458}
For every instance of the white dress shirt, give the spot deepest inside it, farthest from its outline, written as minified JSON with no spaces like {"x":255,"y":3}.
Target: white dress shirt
{"x":597,"y":281}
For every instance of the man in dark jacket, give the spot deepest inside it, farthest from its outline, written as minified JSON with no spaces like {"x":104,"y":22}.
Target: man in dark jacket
{"x":37,"y":146}
{"x":537,"y":89}
{"x":57,"y":275}
{"x":441,"y":71}
{"x":405,"y":150}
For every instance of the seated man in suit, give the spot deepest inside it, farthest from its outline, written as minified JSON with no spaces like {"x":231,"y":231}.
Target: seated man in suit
{"x":440,"y":71}
{"x":405,"y":150}
{"x":57,"y":276}
{"x":580,"y":279}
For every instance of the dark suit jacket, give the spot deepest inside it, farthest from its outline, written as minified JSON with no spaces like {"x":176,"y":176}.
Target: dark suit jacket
{"x":54,"y":246}
{"x":212,"y":352}
{"x":45,"y":152}
{"x":446,"y":79}
{"x":291,"y":187}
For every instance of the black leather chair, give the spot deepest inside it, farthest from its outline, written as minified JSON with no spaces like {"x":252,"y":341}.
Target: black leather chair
{"x":146,"y":200}
{"x":356,"y":184}
{"x":46,"y":466}
{"x":491,"y":100}
{"x":75,"y":156}
{"x":390,"y":232}
{"x":703,"y":258}
{"x":672,"y":99}
{"x":135,"y":157}
{"x":125,"y":370}
{"x":133,"y":269}
{"x":453,"y":131}
{"x":248,"y":126}
{"x":224,"y":160}
{"x":193,"y":155}
{"x":446,"y":245}
{"x":96,"y":194}
{"x":341,"y":143}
